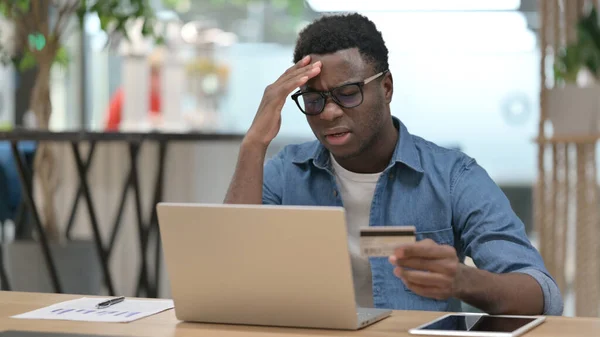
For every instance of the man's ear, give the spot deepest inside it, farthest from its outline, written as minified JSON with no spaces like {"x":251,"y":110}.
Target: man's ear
{"x":388,"y":87}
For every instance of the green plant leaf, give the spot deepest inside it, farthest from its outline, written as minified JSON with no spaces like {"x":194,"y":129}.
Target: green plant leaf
{"x":114,"y":16}
{"x":171,"y":4}
{"x":62,"y":57}
{"x":104,"y":22}
{"x":583,"y":53}
{"x":281,"y":4}
{"x":27,"y":62}
{"x":23,"y":5}
{"x":297,"y":8}
{"x":147,"y":27}
{"x":293,"y":7}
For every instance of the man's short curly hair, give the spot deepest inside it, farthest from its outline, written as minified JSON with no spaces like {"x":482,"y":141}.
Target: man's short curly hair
{"x":332,"y":33}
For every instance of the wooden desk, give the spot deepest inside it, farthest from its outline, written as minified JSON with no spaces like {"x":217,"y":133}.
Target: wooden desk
{"x":165,"y":324}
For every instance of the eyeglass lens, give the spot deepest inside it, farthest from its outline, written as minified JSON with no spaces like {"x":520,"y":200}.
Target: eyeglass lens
{"x":347,"y":96}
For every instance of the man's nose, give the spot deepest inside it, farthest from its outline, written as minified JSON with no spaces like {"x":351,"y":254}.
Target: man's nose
{"x":332,"y":111}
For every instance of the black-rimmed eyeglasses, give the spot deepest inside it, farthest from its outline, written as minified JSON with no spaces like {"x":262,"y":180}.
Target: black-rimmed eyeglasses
{"x":349,"y":95}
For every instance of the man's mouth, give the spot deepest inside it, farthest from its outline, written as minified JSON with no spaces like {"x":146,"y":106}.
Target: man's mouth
{"x":337,"y":139}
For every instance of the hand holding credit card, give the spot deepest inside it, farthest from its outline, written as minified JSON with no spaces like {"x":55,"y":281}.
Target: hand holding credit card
{"x":382,"y":241}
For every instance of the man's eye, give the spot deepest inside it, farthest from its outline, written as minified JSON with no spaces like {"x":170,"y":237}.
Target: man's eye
{"x":347,"y":92}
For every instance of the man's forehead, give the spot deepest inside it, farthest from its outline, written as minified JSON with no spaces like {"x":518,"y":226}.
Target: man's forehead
{"x":344,"y":59}
{"x":338,"y":68}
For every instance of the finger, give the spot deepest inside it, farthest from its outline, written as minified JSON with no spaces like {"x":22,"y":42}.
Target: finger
{"x":304,"y":71}
{"x":278,"y":91}
{"x":393,"y":259}
{"x":296,"y":77}
{"x":429,"y":292}
{"x":442,"y":266}
{"x":302,"y":63}
{"x":424,"y":278}
{"x":426,"y":249}
{"x":300,"y":79}
{"x":275,"y":94}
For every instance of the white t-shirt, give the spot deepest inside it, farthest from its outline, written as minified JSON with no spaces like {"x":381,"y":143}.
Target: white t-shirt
{"x":357,"y":191}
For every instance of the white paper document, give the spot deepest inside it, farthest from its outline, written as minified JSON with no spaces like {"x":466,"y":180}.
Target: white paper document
{"x":84,"y":309}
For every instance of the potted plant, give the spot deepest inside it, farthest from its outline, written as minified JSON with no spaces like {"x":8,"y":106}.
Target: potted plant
{"x":574,"y":102}
{"x":40,"y":29}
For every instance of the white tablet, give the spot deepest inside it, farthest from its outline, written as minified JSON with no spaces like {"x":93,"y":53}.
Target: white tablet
{"x":480,"y":325}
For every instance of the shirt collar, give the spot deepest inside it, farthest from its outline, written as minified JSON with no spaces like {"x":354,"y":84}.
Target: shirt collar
{"x":405,"y":152}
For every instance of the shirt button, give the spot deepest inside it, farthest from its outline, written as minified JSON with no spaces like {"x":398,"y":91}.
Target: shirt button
{"x":335,"y":193}
{"x":391,"y":176}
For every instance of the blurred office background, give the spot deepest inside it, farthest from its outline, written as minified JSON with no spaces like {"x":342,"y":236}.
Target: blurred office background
{"x":466,"y":76}
{"x":466,"y":72}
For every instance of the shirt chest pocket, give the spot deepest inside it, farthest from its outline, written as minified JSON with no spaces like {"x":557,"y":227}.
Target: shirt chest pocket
{"x":441,"y":236}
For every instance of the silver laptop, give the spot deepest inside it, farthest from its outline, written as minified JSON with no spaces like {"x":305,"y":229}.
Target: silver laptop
{"x":283,"y":266}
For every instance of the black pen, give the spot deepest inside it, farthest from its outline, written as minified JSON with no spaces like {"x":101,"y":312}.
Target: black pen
{"x":106,"y":304}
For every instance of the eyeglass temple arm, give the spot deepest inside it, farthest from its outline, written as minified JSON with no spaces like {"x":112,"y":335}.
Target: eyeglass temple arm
{"x":374,"y":76}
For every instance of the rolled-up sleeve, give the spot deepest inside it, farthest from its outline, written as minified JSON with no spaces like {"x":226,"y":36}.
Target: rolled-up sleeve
{"x":492,"y":234}
{"x":553,"y":302}
{"x":272,"y":181}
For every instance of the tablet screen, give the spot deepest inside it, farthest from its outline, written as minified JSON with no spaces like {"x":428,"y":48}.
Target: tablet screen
{"x":479,"y":323}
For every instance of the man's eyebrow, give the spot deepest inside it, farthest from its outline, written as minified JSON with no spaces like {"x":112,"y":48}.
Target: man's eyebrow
{"x":347,"y":82}
{"x":307,"y":87}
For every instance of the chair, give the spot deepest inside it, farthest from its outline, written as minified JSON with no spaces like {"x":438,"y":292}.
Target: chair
{"x":11,"y":205}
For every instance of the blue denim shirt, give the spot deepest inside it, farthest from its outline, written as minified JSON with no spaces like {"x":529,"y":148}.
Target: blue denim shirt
{"x":444,"y":193}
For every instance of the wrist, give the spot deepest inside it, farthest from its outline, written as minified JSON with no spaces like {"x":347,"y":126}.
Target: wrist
{"x":252,"y":139}
{"x":461,"y":285}
{"x":253,"y":145}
